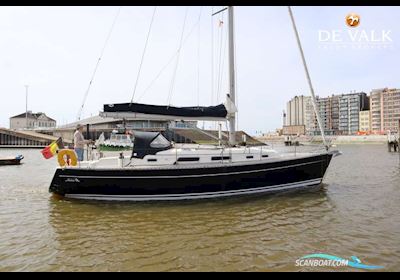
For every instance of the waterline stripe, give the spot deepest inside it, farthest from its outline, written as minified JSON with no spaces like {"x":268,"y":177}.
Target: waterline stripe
{"x":195,"y":195}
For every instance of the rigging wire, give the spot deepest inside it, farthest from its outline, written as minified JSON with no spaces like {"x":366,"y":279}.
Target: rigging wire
{"x":177,"y":60}
{"x":222,"y":51}
{"x":308,"y":79}
{"x":168,"y":63}
{"x":97,"y":64}
{"x":143,"y":54}
{"x":221,"y":28}
{"x":236,"y":88}
{"x":212,"y":56}
{"x":223,"y":70}
{"x":198,"y":59}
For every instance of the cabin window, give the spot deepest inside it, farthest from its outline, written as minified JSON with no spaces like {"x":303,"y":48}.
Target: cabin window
{"x":187,"y":159}
{"x":264,"y":156}
{"x":220,"y":158}
{"x":249,"y":157}
{"x":160,"y":142}
{"x":151,"y":160}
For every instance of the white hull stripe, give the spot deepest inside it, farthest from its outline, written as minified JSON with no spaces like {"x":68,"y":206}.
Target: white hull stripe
{"x":164,"y":197}
{"x":189,"y":176}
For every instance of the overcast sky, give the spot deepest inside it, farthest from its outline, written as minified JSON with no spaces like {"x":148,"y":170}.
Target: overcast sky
{"x":54,"y":50}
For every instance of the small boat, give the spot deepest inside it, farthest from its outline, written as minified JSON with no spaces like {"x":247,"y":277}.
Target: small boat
{"x":11,"y":161}
{"x":118,"y":142}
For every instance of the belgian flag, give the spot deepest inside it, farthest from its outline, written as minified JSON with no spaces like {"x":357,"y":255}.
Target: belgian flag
{"x":49,"y":151}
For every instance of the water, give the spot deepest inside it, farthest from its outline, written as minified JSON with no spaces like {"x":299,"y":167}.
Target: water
{"x":356,"y":213}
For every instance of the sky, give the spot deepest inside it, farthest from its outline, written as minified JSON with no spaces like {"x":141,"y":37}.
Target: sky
{"x":54,"y":50}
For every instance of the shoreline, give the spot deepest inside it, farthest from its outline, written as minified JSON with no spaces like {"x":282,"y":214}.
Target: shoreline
{"x":335,"y":140}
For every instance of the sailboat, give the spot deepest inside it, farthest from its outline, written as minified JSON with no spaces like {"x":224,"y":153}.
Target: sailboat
{"x":159,"y":170}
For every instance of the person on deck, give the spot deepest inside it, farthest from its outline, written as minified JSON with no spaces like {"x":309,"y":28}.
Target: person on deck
{"x":80,"y":142}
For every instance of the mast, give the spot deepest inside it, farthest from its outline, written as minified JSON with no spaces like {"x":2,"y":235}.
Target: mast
{"x":232,"y":89}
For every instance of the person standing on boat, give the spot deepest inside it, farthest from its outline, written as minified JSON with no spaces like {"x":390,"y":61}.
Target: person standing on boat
{"x":80,"y":142}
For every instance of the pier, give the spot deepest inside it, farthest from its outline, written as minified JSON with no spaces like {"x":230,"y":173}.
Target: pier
{"x":24,"y":139}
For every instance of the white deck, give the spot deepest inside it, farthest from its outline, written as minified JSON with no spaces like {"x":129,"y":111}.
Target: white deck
{"x":203,"y":155}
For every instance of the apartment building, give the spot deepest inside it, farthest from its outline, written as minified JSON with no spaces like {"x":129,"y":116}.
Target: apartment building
{"x":385,"y":110}
{"x":297,"y":113}
{"x":329,"y":113}
{"x":339,"y":114}
{"x":296,"y":110}
{"x":365,"y":121}
{"x":350,"y":106}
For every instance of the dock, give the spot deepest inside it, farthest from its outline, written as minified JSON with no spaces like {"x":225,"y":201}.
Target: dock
{"x":24,"y":139}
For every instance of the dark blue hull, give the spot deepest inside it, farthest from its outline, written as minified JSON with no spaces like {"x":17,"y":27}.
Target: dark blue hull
{"x":191,"y":182}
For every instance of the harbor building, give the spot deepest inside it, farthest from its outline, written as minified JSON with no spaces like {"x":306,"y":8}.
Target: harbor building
{"x":385,"y":110}
{"x":32,"y":121}
{"x":177,"y":131}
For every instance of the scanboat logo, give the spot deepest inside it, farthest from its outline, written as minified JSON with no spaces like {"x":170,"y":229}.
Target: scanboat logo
{"x":353,"y":20}
{"x":319,"y":260}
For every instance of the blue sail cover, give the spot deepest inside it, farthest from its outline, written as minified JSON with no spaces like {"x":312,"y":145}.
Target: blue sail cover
{"x":218,"y":111}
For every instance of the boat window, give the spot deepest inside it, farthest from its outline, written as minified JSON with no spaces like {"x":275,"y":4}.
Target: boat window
{"x":220,"y":158}
{"x":160,"y":142}
{"x":151,"y":160}
{"x":264,"y":155}
{"x":188,"y":159}
{"x":249,"y":157}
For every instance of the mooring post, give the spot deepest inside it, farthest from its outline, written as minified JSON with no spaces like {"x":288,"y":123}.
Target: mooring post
{"x":398,"y":136}
{"x":389,"y":141}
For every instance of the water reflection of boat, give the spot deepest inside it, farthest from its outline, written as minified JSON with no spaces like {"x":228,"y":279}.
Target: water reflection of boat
{"x":159,"y":170}
{"x":11,"y":160}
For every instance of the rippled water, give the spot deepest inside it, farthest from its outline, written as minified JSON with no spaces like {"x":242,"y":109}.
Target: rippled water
{"x":356,"y":213}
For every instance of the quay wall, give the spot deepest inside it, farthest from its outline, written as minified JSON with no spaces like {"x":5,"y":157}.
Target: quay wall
{"x":337,"y":140}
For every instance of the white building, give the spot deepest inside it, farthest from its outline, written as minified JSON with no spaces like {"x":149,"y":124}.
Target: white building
{"x":31,"y":120}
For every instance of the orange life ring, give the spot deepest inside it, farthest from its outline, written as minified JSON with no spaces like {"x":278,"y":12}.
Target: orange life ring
{"x":72,"y":159}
